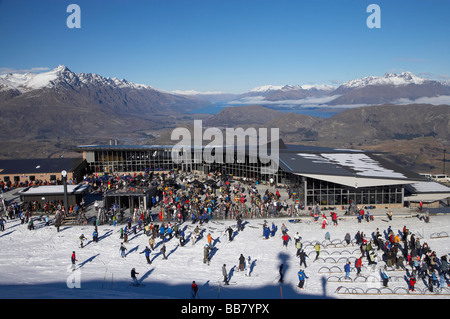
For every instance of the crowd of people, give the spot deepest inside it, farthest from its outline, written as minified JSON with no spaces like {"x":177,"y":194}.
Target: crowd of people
{"x":181,"y":199}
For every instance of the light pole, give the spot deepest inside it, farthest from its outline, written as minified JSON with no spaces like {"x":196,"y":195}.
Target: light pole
{"x":64,"y":177}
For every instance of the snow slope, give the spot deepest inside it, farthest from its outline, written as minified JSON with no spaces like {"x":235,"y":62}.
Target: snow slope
{"x":36,"y":263}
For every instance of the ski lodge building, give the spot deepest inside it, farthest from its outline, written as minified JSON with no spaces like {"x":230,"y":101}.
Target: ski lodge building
{"x":316,"y":175}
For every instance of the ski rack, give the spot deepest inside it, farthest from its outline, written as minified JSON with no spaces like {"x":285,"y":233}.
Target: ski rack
{"x":337,"y":269}
{"x":335,"y":243}
{"x":439,"y":235}
{"x":332,"y":260}
{"x":362,"y":278}
{"x":390,"y":291}
{"x":336,"y":252}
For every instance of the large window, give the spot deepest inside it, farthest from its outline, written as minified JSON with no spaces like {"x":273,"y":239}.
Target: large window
{"x":330,"y":194}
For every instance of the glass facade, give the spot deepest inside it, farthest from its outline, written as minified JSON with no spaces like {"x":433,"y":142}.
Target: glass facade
{"x":307,"y":190}
{"x":330,"y":194}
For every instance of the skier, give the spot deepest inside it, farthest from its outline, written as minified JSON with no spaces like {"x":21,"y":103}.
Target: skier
{"x":301,"y":278}
{"x":274,"y":229}
{"x":297,"y":238}
{"x":384,"y":276}
{"x":122,"y":249}
{"x":266,"y":232}
{"x":324,"y":222}
{"x":317,"y":249}
{"x":347,"y":270}
{"x":225,"y":274}
{"x":241,"y":262}
{"x":182,"y":239}
{"x":206,"y":254}
{"x":163,"y":250}
{"x":247,"y":267}
{"x":230,"y":233}
{"x":2,"y":224}
{"x":95,"y":235}
{"x":303,"y":257}
{"x":82,"y":238}
{"x":74,"y":260}
{"x":347,"y":238}
{"x":133,"y":276}
{"x":209,"y":237}
{"x":147,"y":252}
{"x":412,"y":282}
{"x":358,"y":266}
{"x":194,"y":289}
{"x":285,"y":239}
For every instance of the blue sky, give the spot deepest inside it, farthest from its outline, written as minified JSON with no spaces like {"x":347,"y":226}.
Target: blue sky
{"x":227,"y":45}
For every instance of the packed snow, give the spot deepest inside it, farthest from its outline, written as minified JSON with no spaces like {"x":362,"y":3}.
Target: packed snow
{"x":37,"y":263}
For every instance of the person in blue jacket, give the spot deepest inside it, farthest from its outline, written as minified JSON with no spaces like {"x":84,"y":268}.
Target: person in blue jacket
{"x":147,"y":252}
{"x":266,"y":232}
{"x":347,"y":270}
{"x":274,"y":229}
{"x":384,"y":277}
{"x":162,"y":231}
{"x":95,"y":235}
{"x":301,"y":278}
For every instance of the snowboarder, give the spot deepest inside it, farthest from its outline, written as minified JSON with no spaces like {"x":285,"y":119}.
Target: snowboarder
{"x":301,"y":278}
{"x":133,"y":276}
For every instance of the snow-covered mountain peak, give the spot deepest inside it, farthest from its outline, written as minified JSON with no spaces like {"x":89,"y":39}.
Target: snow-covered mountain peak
{"x":25,"y":82}
{"x":266,"y":88}
{"x":322,"y":87}
{"x":31,"y":81}
{"x":404,"y":78}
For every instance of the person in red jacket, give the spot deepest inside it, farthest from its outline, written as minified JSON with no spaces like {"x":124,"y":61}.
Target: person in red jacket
{"x":412,"y":282}
{"x":285,"y":239}
{"x":194,"y":288}
{"x":358,"y":266}
{"x":74,"y":260}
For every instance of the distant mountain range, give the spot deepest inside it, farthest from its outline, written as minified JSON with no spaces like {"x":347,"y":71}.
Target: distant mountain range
{"x":64,"y":87}
{"x":403,"y":88}
{"x":61,"y":86}
{"x":47,"y":113}
{"x":61,"y":103}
